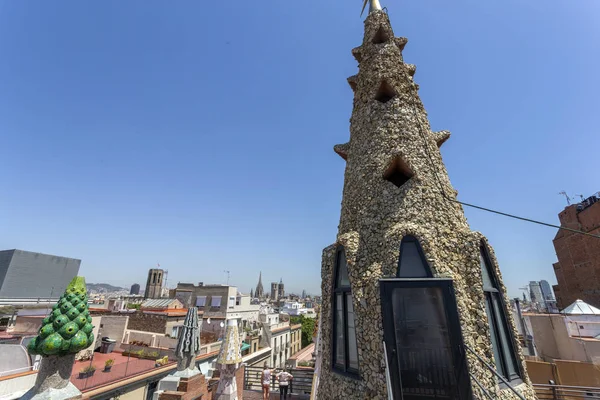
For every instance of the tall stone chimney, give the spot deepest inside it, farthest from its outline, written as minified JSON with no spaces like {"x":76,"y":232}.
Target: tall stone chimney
{"x":406,"y":276}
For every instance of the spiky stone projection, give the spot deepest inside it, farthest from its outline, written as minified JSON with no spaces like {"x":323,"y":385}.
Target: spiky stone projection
{"x":68,"y":329}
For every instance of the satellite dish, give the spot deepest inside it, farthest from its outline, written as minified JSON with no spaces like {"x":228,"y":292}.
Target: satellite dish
{"x":222,"y":324}
{"x":208,"y":321}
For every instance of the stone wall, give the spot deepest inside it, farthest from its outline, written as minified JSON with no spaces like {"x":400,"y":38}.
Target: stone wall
{"x":140,"y":321}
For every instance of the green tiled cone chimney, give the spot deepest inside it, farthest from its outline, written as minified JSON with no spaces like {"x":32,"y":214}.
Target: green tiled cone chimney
{"x":68,"y":329}
{"x":65,"y":332}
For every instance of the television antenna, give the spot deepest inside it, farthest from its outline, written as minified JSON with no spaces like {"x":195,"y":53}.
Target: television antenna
{"x":373,"y":6}
{"x":228,"y":274}
{"x":566,"y":196}
{"x":525,"y":289}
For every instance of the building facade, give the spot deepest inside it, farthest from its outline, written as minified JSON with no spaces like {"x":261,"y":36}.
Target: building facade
{"x":546,"y":290}
{"x":277,"y":335}
{"x":154,"y":284}
{"x":219,"y":302}
{"x":293,"y":308}
{"x":535,"y":293}
{"x":28,"y":277}
{"x":274,"y":291}
{"x":135,"y":289}
{"x":572,"y":335}
{"x":296,"y":332}
{"x":578,"y":268}
{"x":405,"y":263}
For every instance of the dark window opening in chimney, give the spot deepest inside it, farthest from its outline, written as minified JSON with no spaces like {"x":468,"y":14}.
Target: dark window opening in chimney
{"x":381,"y":36}
{"x":398,"y":172}
{"x":385,"y":92}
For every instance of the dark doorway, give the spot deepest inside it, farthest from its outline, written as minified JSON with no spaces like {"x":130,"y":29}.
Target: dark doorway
{"x":152,"y":386}
{"x":423,"y":339}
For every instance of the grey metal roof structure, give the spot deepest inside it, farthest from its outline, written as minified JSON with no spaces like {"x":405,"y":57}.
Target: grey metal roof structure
{"x":159,"y":303}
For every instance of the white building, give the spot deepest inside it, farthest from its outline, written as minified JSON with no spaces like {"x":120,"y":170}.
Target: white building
{"x":571,"y":335}
{"x":276,"y":334}
{"x":293,"y":308}
{"x":240,"y":308}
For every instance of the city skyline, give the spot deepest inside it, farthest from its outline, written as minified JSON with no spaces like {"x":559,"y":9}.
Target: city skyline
{"x":133,"y":157}
{"x":141,"y":288}
{"x":302,"y":198}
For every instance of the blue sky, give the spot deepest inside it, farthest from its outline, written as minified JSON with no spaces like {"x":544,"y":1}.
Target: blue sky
{"x":199,"y":135}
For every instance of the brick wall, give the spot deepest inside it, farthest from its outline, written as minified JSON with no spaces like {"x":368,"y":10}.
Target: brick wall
{"x":239,"y":379}
{"x":578,"y":268}
{"x":197,"y":386}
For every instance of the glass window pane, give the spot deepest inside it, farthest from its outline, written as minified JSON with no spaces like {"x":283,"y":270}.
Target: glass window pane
{"x":505,"y":341}
{"x":200,"y":301}
{"x":425,"y":351}
{"x":215,"y":301}
{"x":493,"y":334}
{"x":342,"y":270}
{"x":411,"y":265}
{"x":352,"y":349}
{"x":488,"y":282}
{"x":339,"y":331}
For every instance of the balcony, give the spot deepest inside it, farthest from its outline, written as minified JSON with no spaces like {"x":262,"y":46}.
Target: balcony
{"x":300,"y":386}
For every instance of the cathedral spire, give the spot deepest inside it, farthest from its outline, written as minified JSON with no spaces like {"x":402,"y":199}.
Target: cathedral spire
{"x":259,"y":292}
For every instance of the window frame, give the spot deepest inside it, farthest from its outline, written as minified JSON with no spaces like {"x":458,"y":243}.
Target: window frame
{"x":495,"y":293}
{"x":413,"y":239}
{"x":220,"y":301}
{"x":450,"y":308}
{"x":203,"y":303}
{"x":175,"y":330}
{"x":346,"y":292}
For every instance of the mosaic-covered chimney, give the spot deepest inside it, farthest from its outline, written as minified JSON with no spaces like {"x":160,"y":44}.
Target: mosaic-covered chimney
{"x":406,"y":276}
{"x":229,"y":360}
{"x":188,"y":345}
{"x":65,"y":332}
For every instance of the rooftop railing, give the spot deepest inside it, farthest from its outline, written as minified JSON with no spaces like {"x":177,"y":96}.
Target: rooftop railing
{"x":562,"y":392}
{"x":500,"y":377}
{"x":16,"y":371}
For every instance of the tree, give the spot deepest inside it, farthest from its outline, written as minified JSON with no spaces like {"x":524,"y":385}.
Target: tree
{"x":308,"y":328}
